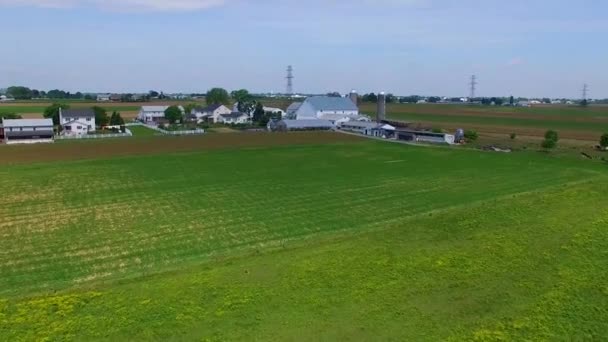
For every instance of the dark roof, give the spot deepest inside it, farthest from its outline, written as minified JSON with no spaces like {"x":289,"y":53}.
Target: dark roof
{"x":78,"y":113}
{"x":208,"y":109}
{"x":233,"y":115}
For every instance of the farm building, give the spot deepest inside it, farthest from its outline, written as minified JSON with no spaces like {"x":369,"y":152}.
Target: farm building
{"x":274,"y":110}
{"x":27,"y":131}
{"x":318,"y":106}
{"x":77,"y":121}
{"x":211,"y":113}
{"x":234,"y":118}
{"x":103,"y":97}
{"x":368,"y":128}
{"x":425,"y":137}
{"x":301,"y":125}
{"x":291,"y":111}
{"x":154,"y":114}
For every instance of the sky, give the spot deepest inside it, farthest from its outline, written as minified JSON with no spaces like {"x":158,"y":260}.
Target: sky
{"x":528,"y":48}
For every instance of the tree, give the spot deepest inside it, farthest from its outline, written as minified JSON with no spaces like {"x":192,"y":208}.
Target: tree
{"x":101,"y":116}
{"x":52,"y":111}
{"x":471,"y":135}
{"x":258,"y":113}
{"x":241,"y":95}
{"x":247,"y":106}
{"x":551,"y":139}
{"x":547,"y":100}
{"x":10,"y":116}
{"x":217,"y":96}
{"x":153,"y":93}
{"x":173,"y":114}
{"x":513,"y":136}
{"x":116,"y":119}
{"x":371,"y":97}
{"x":584,"y":103}
{"x":57,"y":94}
{"x":604,"y":140}
{"x":188,"y":108}
{"x":334,"y":94}
{"x":511,"y":100}
{"x":19,"y":93}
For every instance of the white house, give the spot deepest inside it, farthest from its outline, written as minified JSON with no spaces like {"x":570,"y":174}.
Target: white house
{"x":234,"y":118}
{"x":211,"y":113}
{"x":154,"y":114}
{"x":317,"y":106}
{"x":77,"y":121}
{"x":103,"y":97}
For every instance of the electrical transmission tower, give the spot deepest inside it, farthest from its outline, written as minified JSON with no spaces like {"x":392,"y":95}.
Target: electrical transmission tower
{"x":585,"y":91}
{"x":473,"y":85}
{"x":290,"y":80}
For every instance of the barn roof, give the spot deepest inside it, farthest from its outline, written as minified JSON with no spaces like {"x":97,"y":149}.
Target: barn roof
{"x":329,"y":103}
{"x":307,"y":123}
{"x":27,"y":122}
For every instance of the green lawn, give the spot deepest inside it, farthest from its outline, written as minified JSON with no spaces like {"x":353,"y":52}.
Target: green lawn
{"x":338,"y":242}
{"x":142,"y":131}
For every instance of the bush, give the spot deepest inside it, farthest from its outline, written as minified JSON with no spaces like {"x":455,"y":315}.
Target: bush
{"x":471,"y":135}
{"x":604,"y":140}
{"x":513,"y":136}
{"x":437,"y":130}
{"x":551,"y":139}
{"x":552,"y":135}
{"x":548,"y":144}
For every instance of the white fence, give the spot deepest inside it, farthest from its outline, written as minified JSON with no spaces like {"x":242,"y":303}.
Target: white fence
{"x":163,"y":131}
{"x":94,"y":136}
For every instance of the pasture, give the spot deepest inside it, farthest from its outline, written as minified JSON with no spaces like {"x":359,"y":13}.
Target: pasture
{"x":288,"y":239}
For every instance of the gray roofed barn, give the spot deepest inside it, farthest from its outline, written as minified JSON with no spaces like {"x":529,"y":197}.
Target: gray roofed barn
{"x":331,"y":104}
{"x":8,"y":123}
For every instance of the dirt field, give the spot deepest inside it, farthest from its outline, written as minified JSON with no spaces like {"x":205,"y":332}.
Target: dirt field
{"x":74,"y":150}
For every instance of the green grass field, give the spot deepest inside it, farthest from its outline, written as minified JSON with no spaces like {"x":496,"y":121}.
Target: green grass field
{"x":141,"y":131}
{"x":348,"y":241}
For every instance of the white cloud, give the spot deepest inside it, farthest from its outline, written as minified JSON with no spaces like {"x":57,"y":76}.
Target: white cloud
{"x":119,"y":5}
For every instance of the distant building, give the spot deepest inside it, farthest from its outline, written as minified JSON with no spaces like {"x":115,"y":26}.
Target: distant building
{"x":77,"y":121}
{"x":317,"y":106}
{"x":115,"y":97}
{"x":524,"y":104}
{"x":234,"y":118}
{"x":368,"y":128}
{"x":26,"y":131}
{"x":425,"y":137}
{"x":301,"y":125}
{"x":103,"y":97}
{"x":291,"y":111}
{"x":154,"y":114}
{"x":275,"y":111}
{"x":210,"y":113}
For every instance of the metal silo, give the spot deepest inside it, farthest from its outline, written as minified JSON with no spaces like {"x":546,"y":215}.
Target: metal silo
{"x":354,"y":97}
{"x":381,"y":114}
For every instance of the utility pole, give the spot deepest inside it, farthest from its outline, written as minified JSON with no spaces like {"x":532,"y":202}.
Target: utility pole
{"x":585,"y":91}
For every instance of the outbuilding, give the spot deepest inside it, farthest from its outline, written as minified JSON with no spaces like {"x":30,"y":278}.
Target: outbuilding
{"x":425,"y":137}
{"x":27,"y":131}
{"x":303,"y":125}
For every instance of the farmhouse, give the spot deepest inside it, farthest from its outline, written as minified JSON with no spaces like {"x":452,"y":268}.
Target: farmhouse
{"x":425,"y":137}
{"x":317,"y":107}
{"x":211,"y":113}
{"x":154,"y":114}
{"x":77,"y":121}
{"x":301,"y":125}
{"x":234,"y":118}
{"x":368,"y":128}
{"x":103,"y":97}
{"x":27,"y":131}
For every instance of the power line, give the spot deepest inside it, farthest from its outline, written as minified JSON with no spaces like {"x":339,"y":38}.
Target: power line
{"x":290,"y":80}
{"x":473,"y":85}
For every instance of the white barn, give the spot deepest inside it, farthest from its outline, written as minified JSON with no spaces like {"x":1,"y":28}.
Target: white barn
{"x":317,"y":106}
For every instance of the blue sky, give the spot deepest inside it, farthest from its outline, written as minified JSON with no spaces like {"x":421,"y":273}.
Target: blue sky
{"x":525,"y":48}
